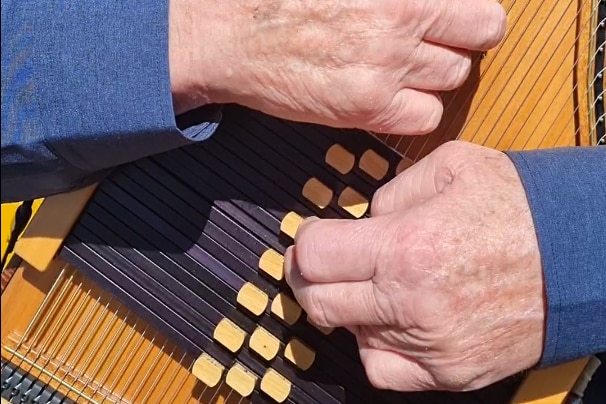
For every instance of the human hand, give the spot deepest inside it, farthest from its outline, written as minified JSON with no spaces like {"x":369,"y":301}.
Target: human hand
{"x":374,"y":65}
{"x":442,"y":286}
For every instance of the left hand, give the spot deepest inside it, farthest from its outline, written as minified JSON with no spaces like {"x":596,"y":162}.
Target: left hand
{"x":442,"y":286}
{"x":376,"y":65}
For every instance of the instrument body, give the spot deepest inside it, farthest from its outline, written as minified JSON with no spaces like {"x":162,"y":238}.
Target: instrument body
{"x":97,"y":303}
{"x":542,"y":87}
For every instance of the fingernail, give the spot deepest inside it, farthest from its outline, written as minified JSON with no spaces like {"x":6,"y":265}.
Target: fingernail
{"x":287,"y":264}
{"x":310,"y":219}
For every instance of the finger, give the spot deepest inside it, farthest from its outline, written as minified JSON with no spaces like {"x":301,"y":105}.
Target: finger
{"x":337,"y":250}
{"x":344,"y":304}
{"x":436,"y":67}
{"x":411,"y":187}
{"x":388,"y":370}
{"x":411,"y":112}
{"x":468,"y":24}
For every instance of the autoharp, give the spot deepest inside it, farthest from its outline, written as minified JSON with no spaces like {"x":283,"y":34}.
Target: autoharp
{"x":164,"y":283}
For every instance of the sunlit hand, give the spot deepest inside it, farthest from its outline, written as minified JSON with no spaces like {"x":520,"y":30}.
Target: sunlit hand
{"x":372,"y":64}
{"x":443,"y":285}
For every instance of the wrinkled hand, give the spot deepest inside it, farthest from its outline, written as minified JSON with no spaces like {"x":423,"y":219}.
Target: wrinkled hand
{"x":442,"y":286}
{"x":373,"y":64}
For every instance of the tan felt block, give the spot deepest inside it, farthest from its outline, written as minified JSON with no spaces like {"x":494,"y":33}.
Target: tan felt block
{"x":299,"y":354}
{"x":253,"y":298}
{"x":290,"y":223}
{"x":373,"y":164}
{"x":403,"y":165}
{"x":229,"y":335}
{"x":353,"y":202}
{"x":340,"y":159}
{"x":264,"y":343}
{"x":317,"y":193}
{"x":208,"y":370}
{"x":275,"y":385}
{"x":272,"y":263}
{"x":286,"y":308}
{"x":241,"y":380}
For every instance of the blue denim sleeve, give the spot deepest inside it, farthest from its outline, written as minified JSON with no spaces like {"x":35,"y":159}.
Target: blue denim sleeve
{"x":85,"y":88}
{"x":566,"y":190}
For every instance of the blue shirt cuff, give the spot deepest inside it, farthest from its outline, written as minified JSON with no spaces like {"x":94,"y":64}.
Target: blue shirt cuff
{"x":86,"y":88}
{"x":566,"y":190}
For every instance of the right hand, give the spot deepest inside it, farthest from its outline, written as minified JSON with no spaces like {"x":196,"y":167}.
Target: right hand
{"x":442,"y":285}
{"x":375,"y":65}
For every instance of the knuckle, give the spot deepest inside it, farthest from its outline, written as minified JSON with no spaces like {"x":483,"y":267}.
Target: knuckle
{"x":374,"y":375}
{"x":434,"y":318}
{"x":384,"y":119}
{"x":432,"y":118}
{"x":372,"y":99}
{"x":451,"y":145}
{"x":388,"y":121}
{"x":496,"y":25}
{"x":376,"y":380}
{"x":459,"y":73}
{"x":455,"y":155}
{"x":420,"y":252}
{"x":461,"y":380}
{"x":453,"y":151}
{"x":414,"y":113}
{"x":364,"y":96}
{"x":409,"y":257}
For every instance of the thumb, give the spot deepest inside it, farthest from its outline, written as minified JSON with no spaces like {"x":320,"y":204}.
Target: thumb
{"x":413,"y":186}
{"x":341,"y":250}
